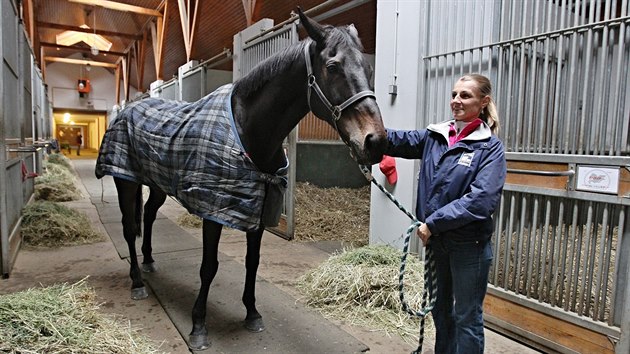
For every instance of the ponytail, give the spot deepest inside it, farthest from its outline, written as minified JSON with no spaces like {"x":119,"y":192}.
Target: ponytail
{"x":489,"y":114}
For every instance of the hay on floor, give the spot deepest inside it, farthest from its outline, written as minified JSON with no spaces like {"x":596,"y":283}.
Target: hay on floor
{"x":57,"y":184}
{"x":64,"y":319}
{"x":360,"y":287}
{"x":189,"y":220}
{"x":340,"y":214}
{"x":59,"y":159}
{"x":48,"y":224}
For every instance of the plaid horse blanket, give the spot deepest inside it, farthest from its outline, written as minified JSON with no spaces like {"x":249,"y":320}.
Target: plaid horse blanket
{"x":192,"y":151}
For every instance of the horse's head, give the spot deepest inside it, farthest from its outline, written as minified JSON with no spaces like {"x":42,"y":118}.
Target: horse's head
{"x":340,"y":91}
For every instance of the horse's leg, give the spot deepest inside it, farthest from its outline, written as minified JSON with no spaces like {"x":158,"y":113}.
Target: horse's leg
{"x":139,"y":211}
{"x":209,"y":265}
{"x":127,"y":203}
{"x":156,"y":200}
{"x":253,"y":320}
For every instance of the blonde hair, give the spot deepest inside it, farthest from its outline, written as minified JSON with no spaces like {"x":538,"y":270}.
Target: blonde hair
{"x":489,"y":114}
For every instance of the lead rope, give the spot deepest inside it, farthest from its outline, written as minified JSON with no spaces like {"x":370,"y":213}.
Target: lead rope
{"x":429,"y":293}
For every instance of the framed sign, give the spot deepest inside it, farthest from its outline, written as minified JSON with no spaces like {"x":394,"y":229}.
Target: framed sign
{"x":600,"y":179}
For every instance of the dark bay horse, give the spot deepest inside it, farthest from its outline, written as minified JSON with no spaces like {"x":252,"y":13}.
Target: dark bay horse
{"x":166,"y":145}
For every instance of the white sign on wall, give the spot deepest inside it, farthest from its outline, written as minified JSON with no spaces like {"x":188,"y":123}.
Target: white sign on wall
{"x":599,"y":179}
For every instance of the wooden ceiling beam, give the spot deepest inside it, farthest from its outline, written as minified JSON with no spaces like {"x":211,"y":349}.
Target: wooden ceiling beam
{"x":79,"y":62}
{"x":125,"y":74}
{"x":120,"y":7}
{"x":249,"y":6}
{"x":80,"y":49}
{"x":158,"y":32}
{"x":87,"y":30}
{"x":117,"y":83}
{"x":140,"y":59}
{"x":188,"y":24}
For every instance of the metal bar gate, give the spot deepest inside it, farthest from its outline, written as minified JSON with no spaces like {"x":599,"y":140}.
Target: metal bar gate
{"x":561,"y":82}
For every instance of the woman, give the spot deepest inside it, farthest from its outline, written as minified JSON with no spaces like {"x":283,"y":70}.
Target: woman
{"x":461,"y":179}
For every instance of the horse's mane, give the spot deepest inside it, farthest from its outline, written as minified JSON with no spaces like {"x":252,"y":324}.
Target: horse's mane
{"x":277,"y":63}
{"x":269,"y":68}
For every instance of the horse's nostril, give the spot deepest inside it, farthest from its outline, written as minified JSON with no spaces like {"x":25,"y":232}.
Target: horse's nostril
{"x":374,"y":142}
{"x":369,"y":141}
{"x":374,"y":146}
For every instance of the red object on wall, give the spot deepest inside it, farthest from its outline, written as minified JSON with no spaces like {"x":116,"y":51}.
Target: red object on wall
{"x":83,"y":85}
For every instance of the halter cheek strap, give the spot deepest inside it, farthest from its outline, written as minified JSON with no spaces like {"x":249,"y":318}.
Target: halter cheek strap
{"x":312,"y":84}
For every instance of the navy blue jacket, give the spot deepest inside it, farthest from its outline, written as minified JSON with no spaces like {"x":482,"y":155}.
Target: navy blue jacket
{"x":460,"y":186}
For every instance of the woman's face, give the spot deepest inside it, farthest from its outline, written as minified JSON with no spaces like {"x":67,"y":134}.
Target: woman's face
{"x":467,"y":101}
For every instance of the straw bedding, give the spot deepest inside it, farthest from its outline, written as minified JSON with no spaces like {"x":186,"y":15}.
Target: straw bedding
{"x":360,"y":287}
{"x":48,"y":224}
{"x":64,"y":319}
{"x":57,"y":184}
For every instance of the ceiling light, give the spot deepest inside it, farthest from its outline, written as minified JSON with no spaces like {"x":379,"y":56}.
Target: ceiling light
{"x":94,"y":49}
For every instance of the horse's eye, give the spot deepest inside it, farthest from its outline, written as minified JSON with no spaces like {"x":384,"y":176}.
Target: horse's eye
{"x":332,"y":67}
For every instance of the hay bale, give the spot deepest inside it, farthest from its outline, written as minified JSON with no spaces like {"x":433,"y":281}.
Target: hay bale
{"x":64,"y":319}
{"x":48,"y":224}
{"x":57,"y":184}
{"x":59,"y":159}
{"x":341,"y":214}
{"x":189,"y":220}
{"x":360,"y":286}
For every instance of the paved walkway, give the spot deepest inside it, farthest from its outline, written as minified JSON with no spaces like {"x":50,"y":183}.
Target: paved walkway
{"x":165,"y":315}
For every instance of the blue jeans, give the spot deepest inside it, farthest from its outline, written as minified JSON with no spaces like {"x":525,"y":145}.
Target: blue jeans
{"x":462,"y":279}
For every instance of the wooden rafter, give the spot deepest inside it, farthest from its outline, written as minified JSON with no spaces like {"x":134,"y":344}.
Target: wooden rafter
{"x":79,"y":49}
{"x":249,"y":6}
{"x":87,"y":30}
{"x":125,"y":73}
{"x":120,"y":7}
{"x":158,"y":30}
{"x":188,"y":23}
{"x":117,"y":83}
{"x":140,"y":52}
{"x":79,"y":62}
{"x":31,"y":21}
{"x":42,"y":55}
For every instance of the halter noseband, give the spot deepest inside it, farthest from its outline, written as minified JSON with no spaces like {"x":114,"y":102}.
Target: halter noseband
{"x":312,"y":83}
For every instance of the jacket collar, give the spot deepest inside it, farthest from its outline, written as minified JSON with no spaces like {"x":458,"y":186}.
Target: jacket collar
{"x":483,"y":132}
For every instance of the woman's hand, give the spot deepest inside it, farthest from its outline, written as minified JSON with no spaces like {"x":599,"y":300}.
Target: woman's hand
{"x":424,"y":233}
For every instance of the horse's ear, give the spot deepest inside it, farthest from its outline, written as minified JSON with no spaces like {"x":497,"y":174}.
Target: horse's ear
{"x":314,"y":29}
{"x":353,"y":30}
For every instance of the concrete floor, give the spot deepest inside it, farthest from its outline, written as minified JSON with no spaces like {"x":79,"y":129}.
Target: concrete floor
{"x":164,"y":316}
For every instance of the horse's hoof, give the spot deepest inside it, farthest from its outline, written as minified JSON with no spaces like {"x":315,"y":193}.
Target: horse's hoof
{"x":199,"y":342}
{"x":254,"y":324}
{"x":139,"y":293}
{"x":149,"y":267}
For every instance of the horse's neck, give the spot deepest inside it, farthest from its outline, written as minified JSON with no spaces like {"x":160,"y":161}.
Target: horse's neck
{"x":266,"y":117}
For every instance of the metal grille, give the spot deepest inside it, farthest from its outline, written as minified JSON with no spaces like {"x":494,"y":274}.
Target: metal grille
{"x":193,"y":87}
{"x":262,"y":48}
{"x":170,"y":90}
{"x":559,"y":71}
{"x":559,"y":251}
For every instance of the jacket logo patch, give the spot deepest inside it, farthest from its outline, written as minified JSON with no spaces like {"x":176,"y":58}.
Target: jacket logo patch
{"x":466,"y":159}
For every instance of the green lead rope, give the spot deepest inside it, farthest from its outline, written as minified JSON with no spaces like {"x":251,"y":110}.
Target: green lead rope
{"x":430,"y":280}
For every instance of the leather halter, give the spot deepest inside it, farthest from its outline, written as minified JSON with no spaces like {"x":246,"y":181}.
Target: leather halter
{"x":312,"y":83}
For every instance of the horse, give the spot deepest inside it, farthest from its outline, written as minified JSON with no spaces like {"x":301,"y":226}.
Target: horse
{"x":165,"y":144}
